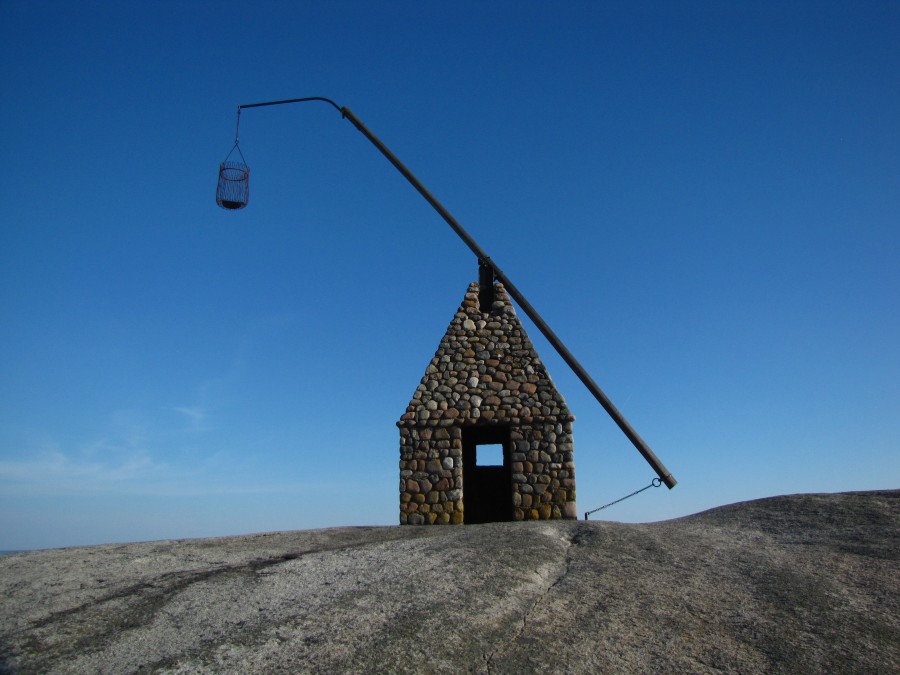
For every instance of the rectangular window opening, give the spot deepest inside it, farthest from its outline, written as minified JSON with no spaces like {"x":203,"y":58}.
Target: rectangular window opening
{"x":489,"y":454}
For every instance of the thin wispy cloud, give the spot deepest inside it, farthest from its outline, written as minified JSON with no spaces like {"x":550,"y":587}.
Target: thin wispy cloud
{"x":150,"y":463}
{"x":57,"y":471}
{"x":194,"y":414}
{"x":196,"y":417}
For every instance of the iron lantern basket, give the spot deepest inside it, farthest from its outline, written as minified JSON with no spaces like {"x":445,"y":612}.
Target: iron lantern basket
{"x":233,"y":189}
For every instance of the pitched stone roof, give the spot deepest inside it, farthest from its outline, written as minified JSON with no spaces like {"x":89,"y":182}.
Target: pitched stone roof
{"x":485,"y":369}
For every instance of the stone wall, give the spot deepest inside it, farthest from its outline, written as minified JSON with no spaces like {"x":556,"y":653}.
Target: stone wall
{"x":486,"y":373}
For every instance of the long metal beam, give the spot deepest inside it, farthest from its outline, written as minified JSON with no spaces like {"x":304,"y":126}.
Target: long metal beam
{"x":665,"y":476}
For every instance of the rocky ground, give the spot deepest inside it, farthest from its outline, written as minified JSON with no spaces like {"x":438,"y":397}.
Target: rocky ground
{"x":798,"y":584}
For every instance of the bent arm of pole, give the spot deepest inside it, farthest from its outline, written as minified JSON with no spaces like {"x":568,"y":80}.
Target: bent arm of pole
{"x":665,"y":476}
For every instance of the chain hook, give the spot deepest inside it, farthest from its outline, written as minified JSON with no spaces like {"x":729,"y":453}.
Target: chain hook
{"x":656,"y":482}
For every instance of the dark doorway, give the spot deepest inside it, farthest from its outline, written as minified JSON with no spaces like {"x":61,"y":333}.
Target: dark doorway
{"x":487,"y":481}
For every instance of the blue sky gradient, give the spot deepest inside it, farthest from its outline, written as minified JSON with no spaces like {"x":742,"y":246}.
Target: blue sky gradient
{"x":702,"y":199}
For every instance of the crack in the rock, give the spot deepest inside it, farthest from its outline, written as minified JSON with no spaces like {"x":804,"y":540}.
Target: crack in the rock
{"x":570,"y":541}
{"x":159,"y":588}
{"x":144,"y":602}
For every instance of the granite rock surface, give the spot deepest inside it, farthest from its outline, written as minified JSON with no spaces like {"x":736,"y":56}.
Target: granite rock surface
{"x":796,"y":584}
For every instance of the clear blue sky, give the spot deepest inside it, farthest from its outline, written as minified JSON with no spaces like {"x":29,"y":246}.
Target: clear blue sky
{"x":702,"y":199}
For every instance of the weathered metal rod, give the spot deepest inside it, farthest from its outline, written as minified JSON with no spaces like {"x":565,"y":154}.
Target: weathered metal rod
{"x":532,"y":313}
{"x":667,"y":478}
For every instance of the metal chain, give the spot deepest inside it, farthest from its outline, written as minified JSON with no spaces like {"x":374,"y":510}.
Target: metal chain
{"x":656,"y":482}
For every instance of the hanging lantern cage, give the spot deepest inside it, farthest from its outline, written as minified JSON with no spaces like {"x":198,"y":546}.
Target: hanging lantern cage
{"x":233,"y":190}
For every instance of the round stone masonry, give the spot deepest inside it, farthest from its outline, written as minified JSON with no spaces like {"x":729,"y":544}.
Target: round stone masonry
{"x":486,"y":373}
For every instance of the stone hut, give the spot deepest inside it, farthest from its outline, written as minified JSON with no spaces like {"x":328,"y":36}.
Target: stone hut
{"x":486,"y":436}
